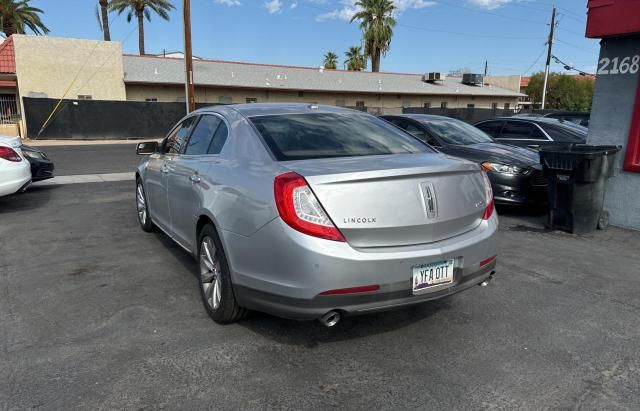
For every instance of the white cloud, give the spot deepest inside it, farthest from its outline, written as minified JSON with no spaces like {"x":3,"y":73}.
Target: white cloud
{"x":403,"y":5}
{"x":228,"y":2}
{"x":348,"y":9}
{"x":293,"y":5}
{"x":273,"y":6}
{"x":489,"y":4}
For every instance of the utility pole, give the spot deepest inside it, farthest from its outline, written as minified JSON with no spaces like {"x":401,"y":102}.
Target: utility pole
{"x":549,"y":46}
{"x":188,"y":59}
{"x":486,"y":67}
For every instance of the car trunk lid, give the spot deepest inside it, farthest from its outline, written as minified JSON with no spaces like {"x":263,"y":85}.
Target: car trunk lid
{"x":395,"y":200}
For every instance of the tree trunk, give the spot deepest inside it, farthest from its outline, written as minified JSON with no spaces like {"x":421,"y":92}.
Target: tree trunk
{"x":140,"y":31}
{"x":105,"y":20}
{"x":375,"y":60}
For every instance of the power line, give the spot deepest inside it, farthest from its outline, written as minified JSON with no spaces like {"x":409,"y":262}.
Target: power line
{"x":571,"y":31}
{"x":573,"y":18}
{"x":570,"y":67}
{"x":491,"y":13}
{"x":581,"y":18}
{"x":575,"y":46}
{"x":536,"y":60}
{"x":491,"y":36}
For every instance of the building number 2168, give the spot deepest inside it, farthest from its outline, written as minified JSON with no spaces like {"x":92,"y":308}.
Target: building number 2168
{"x":618,"y":65}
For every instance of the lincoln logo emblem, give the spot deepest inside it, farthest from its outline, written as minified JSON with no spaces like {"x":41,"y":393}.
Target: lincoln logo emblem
{"x":429,"y":196}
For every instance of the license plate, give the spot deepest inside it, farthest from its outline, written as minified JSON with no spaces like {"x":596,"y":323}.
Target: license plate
{"x":429,"y":275}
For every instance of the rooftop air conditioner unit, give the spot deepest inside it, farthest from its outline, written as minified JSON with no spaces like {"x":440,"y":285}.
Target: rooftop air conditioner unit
{"x":472,"y":79}
{"x":433,"y":76}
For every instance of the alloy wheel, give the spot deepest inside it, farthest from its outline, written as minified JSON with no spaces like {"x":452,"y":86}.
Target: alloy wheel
{"x":141,"y":204}
{"x":210,"y":273}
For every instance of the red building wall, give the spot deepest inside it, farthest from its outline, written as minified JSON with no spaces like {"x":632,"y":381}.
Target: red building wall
{"x":608,"y":18}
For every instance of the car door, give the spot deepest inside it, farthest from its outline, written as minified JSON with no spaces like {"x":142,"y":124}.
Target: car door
{"x":523,"y":134}
{"x":188,"y":176}
{"x":156,"y":174}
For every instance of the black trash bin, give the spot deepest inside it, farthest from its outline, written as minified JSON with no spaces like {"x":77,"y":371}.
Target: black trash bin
{"x":577,"y":175}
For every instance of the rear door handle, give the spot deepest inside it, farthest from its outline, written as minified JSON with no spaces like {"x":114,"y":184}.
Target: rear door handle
{"x":195,"y":178}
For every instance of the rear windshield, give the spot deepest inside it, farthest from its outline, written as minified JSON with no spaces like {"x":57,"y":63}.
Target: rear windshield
{"x":458,"y":132}
{"x":567,"y":133}
{"x":326,"y":135}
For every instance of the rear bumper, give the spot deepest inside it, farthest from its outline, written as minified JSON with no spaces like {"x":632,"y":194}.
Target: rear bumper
{"x":41,"y":169}
{"x":356,"y":304}
{"x":283,"y":272}
{"x":13,"y":178}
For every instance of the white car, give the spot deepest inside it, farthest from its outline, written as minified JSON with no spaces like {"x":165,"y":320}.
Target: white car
{"x":15,"y":171}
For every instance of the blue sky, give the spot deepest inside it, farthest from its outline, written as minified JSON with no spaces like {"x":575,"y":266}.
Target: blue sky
{"x":438,"y":35}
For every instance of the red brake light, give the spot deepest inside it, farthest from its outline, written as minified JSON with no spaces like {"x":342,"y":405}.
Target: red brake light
{"x":300,"y":209}
{"x":9,"y":154}
{"x":489,"y":209}
{"x":487,"y":261}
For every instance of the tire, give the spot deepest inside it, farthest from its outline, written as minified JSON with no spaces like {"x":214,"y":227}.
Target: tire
{"x":142,"y":208}
{"x":214,"y":279}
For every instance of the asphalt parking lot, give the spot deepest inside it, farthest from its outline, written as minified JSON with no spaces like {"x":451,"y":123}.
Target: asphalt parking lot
{"x":97,"y":314}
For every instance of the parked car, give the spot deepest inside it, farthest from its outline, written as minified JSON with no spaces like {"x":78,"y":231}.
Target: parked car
{"x":577,"y":117}
{"x":15,"y":172}
{"x":41,"y":166}
{"x":307,"y":211}
{"x":533,"y":132}
{"x":515,"y":172}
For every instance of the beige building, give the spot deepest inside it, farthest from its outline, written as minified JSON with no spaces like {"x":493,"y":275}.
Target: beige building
{"x":74,"y":69}
{"x":161,"y":79}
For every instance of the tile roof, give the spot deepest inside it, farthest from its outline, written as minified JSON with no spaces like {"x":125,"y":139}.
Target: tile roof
{"x":158,"y":70}
{"x":7,"y":57}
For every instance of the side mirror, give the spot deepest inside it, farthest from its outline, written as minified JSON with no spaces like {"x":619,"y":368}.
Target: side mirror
{"x":146,"y":148}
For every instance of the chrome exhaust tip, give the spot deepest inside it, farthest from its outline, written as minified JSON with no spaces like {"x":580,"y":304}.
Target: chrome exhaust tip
{"x":487,"y":281}
{"x":330,"y":319}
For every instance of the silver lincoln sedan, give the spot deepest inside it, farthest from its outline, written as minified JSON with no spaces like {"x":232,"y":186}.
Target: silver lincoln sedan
{"x":315,"y":212}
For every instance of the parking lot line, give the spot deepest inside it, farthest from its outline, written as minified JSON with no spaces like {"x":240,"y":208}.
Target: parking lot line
{"x":87,"y":178}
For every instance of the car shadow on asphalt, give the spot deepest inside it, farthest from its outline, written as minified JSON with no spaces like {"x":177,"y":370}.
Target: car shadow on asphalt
{"x":311,"y":333}
{"x":35,"y":197}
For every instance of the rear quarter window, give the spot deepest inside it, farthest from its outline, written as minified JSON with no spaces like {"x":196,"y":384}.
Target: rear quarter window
{"x":565,"y":135}
{"x":326,"y":135}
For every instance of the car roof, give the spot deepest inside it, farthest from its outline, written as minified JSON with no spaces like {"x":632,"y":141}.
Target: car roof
{"x":540,"y":120}
{"x":420,"y":117}
{"x":266,"y":109}
{"x":568,"y":113}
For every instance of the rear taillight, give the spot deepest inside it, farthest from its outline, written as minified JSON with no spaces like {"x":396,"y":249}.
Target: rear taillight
{"x":488,"y":211}
{"x":300,"y":209}
{"x":9,"y":154}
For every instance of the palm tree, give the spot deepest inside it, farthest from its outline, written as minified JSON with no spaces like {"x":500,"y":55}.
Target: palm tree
{"x":142,"y":9}
{"x":376,"y":22}
{"x":355,"y":61}
{"x":102,"y":13}
{"x":330,"y":60}
{"x":18,"y":15}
